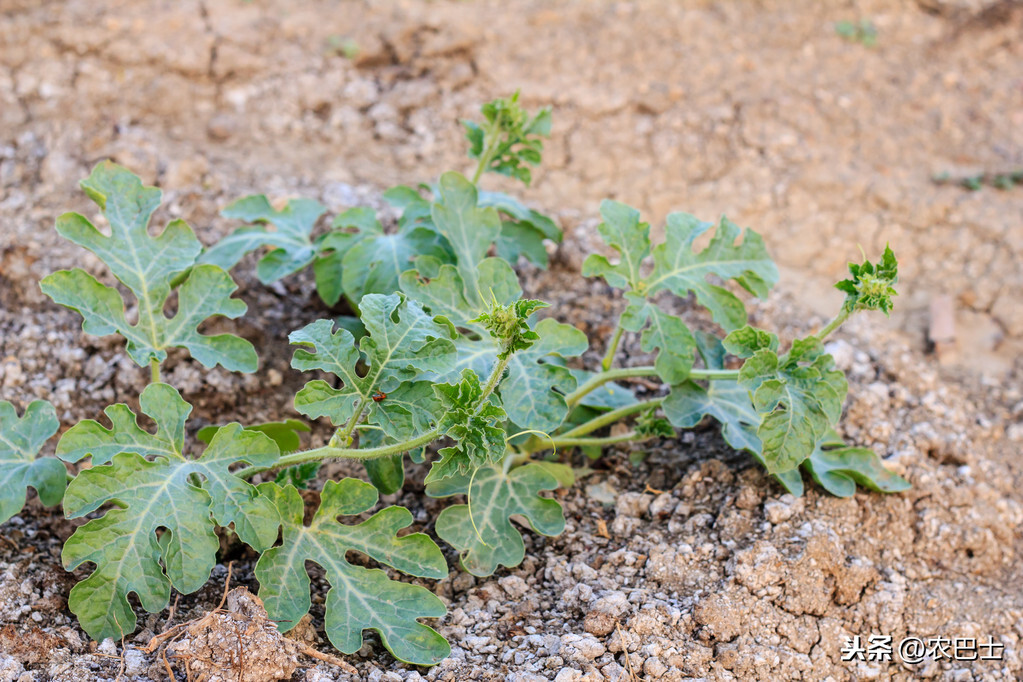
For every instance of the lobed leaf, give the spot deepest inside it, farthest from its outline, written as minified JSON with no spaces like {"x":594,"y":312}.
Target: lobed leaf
{"x":360,"y":598}
{"x":402,"y":344}
{"x":727,"y":402}
{"x":872,"y":286}
{"x":373,"y":260}
{"x":524,"y":230}
{"x":468,"y":229}
{"x":286,"y":435}
{"x":482,"y":531}
{"x":509,"y":137}
{"x":681,"y":270}
{"x":145,"y":496}
{"x":291,"y":244}
{"x":533,"y":393}
{"x":838,"y":468}
{"x":669,"y":335}
{"x":150,"y":267}
{"x":622,"y":231}
{"x":476,"y":427}
{"x":21,"y":439}
{"x":442,"y":291}
{"x":798,"y":396}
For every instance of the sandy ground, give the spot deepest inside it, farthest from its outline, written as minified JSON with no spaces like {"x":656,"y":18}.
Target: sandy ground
{"x":761,"y":112}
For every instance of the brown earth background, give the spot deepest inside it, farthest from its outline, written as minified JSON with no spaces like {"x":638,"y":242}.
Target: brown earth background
{"x":757,"y":110}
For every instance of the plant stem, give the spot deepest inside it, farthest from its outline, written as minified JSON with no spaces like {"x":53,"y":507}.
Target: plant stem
{"x":345,"y":434}
{"x":327,"y":452}
{"x":154,"y":371}
{"x":611,"y":417}
{"x":631,"y":436}
{"x":602,"y":378}
{"x":487,"y":156}
{"x":494,"y":379}
{"x":842,"y":316}
{"x":612,"y":347}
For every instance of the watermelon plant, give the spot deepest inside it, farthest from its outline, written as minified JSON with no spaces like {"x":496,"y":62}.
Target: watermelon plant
{"x":445,"y":352}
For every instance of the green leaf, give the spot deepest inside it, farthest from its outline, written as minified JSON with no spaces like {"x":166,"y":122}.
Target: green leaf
{"x":360,"y":598}
{"x":508,"y":141}
{"x":89,"y":438}
{"x":301,"y":475}
{"x":525,"y":230}
{"x":123,"y":543}
{"x":477,"y":428}
{"x":872,"y":286}
{"x":149,"y":267}
{"x":838,"y":468}
{"x":726,"y":401}
{"x":374,"y":264}
{"x":564,"y":474}
{"x":468,"y":228}
{"x":608,"y":396}
{"x":328,"y":267}
{"x":799,"y":398}
{"x":521,"y":214}
{"x":623,"y":231}
{"x":533,"y":393}
{"x":681,"y":270}
{"x":669,"y":335}
{"x":286,"y":435}
{"x":486,"y":537}
{"x":291,"y":245}
{"x":746,"y":341}
{"x":521,"y":239}
{"x":331,"y":249}
{"x":21,"y":439}
{"x":387,"y":474}
{"x":509,"y":325}
{"x":415,"y":210}
{"x":368,"y":260}
{"x":402,"y":344}
{"x":444,"y":293}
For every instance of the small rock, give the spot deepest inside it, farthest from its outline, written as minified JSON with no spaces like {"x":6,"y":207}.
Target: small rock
{"x":1014,"y":432}
{"x":514,"y":586}
{"x":599,"y":623}
{"x":568,"y":675}
{"x":662,"y":505}
{"x":654,"y":667}
{"x":748,"y":498}
{"x":221,"y":127}
{"x":602,"y":492}
{"x":720,"y":618}
{"x":632,"y":504}
{"x":134,"y":662}
{"x":782,"y":509}
{"x":581,"y":648}
{"x":10,"y":668}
